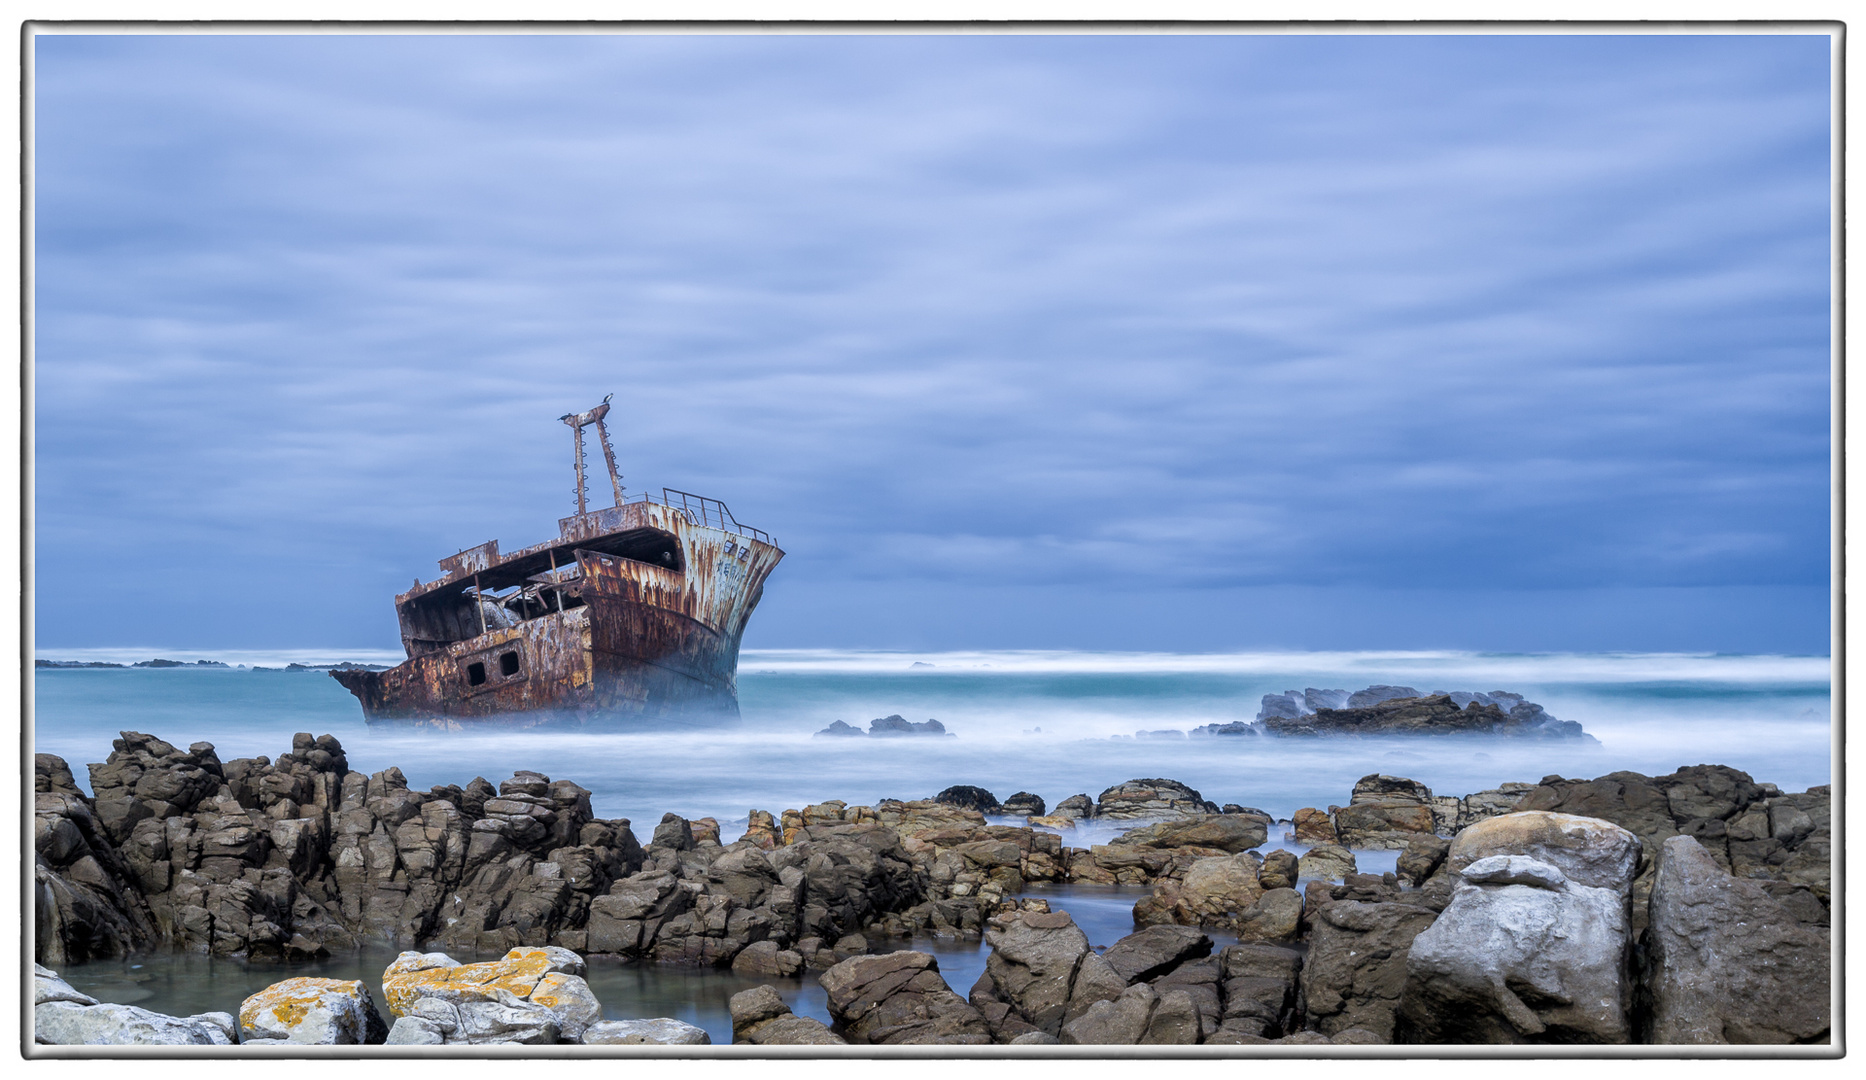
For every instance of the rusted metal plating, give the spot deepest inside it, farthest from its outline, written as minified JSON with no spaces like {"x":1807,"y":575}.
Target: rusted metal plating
{"x":631,"y":611}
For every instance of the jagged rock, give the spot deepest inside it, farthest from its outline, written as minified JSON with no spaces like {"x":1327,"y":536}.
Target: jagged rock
{"x":660,"y":1031}
{"x":971,"y":798}
{"x":1287,"y":706}
{"x":1120,"y":1022}
{"x":1381,"y":788}
{"x":1140,"y":1016}
{"x":1041,"y":972}
{"x":1355,"y":971}
{"x":1729,"y":814}
{"x":1234,"y":728}
{"x":1150,"y":798}
{"x":895,"y":726}
{"x":899,"y":998}
{"x":1147,"y":954}
{"x":1374,"y":695}
{"x":1024,"y":804}
{"x":1385,"y":812}
{"x":674,"y":832}
{"x":841,"y":729}
{"x":1175,"y":1020}
{"x":322,"y":1012}
{"x":1050,"y":821}
{"x":760,"y":1017}
{"x":762,"y":830}
{"x":764,"y":958}
{"x":1214,"y":892}
{"x":1415,"y":715}
{"x":1326,"y":862}
{"x":1727,"y":963}
{"x":86,"y":901}
{"x":1260,"y":990}
{"x":1202,"y":981}
{"x":1075,"y":806}
{"x":1312,"y":826}
{"x":1280,"y":870}
{"x":1217,"y":832}
{"x":1422,"y":857}
{"x":531,"y":996}
{"x":1489,"y":803}
{"x":1274,"y":916}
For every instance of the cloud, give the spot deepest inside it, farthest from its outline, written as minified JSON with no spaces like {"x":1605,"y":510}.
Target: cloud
{"x":1161,"y":312}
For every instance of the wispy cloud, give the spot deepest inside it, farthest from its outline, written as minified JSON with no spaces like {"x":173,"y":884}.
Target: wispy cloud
{"x":1169,"y":312}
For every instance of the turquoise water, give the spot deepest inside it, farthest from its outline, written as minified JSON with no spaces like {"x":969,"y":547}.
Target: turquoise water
{"x":1051,"y":723}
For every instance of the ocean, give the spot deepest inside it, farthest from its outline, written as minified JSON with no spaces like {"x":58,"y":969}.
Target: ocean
{"x":1052,"y":723}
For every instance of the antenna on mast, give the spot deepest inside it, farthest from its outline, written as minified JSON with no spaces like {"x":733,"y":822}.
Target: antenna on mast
{"x":577,"y":422}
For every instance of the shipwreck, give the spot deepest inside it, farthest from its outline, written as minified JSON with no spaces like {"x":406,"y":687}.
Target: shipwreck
{"x":634,"y":611}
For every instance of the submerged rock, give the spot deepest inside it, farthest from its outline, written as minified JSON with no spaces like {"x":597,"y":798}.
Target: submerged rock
{"x":897,"y":725}
{"x":1413,"y":715}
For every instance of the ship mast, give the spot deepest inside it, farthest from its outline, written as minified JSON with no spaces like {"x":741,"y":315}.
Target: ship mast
{"x":577,"y":422}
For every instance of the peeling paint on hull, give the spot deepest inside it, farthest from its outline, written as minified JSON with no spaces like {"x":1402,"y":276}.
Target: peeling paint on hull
{"x":632,"y":612}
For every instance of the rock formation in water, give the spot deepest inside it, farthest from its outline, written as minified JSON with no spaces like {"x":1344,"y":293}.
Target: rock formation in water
{"x":1402,"y":710}
{"x":888,"y":727}
{"x":1527,"y":913}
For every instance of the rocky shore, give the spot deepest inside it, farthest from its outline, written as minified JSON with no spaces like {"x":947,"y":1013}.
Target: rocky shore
{"x":1686,"y":908}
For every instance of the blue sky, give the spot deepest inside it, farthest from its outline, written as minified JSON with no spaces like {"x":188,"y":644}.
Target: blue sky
{"x":1176,"y":342}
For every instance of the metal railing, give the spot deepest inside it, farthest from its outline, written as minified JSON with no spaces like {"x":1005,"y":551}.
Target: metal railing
{"x":700,"y":510}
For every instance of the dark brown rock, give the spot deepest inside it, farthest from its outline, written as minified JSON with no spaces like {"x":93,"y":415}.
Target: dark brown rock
{"x":1355,"y":972}
{"x":1152,"y":952}
{"x":1726,"y":962}
{"x":899,"y":998}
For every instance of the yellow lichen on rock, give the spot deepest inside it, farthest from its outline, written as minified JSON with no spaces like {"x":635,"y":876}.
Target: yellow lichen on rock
{"x":517,"y":974}
{"x":309,"y":1009}
{"x":289,"y":1013}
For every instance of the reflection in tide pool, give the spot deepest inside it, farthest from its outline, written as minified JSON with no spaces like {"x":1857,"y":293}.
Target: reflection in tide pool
{"x":183,"y":984}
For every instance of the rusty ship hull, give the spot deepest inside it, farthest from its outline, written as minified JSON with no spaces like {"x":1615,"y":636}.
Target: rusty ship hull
{"x":634,"y":612}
